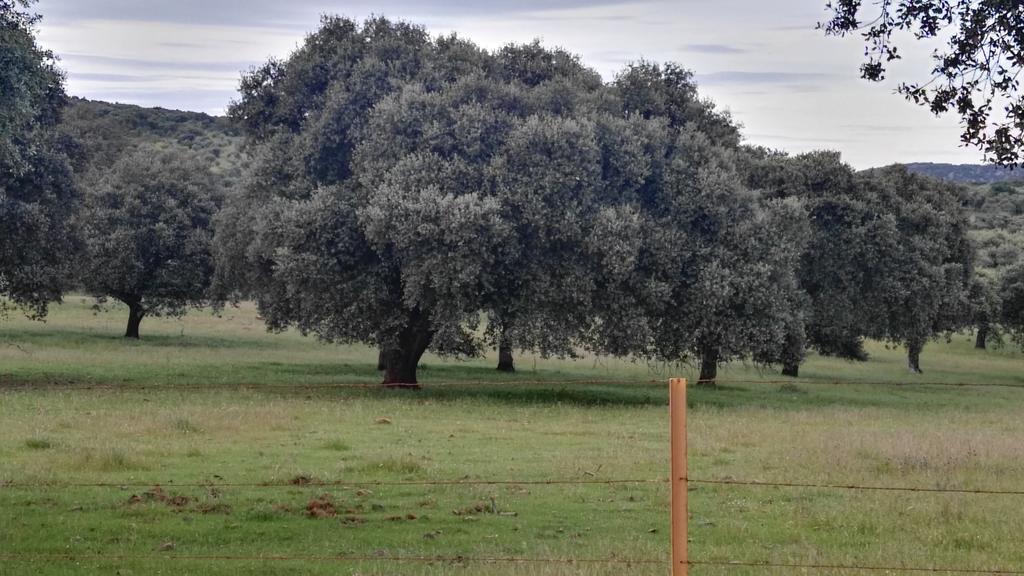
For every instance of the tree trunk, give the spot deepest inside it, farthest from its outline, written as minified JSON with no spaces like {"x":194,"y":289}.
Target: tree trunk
{"x":381,"y":364}
{"x":982,"y":338}
{"x":400,"y":361}
{"x":708,"y":367}
{"x":135,"y":315}
{"x":793,"y":352}
{"x":505,"y":361}
{"x":914,"y":356}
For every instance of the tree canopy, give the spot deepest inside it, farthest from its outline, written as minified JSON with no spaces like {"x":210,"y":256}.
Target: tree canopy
{"x":37,"y":193}
{"x":419,"y":173}
{"x":103,"y":133}
{"x":148,"y":232}
{"x":888,"y":255}
{"x":405,"y":187}
{"x":975,"y":75}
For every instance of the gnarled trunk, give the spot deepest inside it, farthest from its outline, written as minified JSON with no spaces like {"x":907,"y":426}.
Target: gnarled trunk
{"x":401,"y":359}
{"x":135,"y":314}
{"x":981,"y":340}
{"x":708,"y":366}
{"x":914,"y":356}
{"x":381,"y":364}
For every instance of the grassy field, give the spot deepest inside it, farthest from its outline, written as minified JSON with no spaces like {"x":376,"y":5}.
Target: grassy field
{"x":217,"y":400}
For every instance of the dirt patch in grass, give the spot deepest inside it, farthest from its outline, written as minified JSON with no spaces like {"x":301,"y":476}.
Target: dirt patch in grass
{"x":399,"y":517}
{"x":321,"y":507}
{"x":158,"y":494}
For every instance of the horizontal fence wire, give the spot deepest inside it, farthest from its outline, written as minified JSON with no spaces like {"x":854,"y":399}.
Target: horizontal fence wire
{"x":494,"y":384}
{"x":22,"y":385}
{"x":460,"y":559}
{"x":862,"y":568}
{"x":827,"y":382}
{"x":315,"y":483}
{"x":760,"y":483}
{"x":333,"y":558}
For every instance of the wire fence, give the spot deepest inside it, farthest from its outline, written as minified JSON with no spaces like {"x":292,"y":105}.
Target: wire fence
{"x":336,"y":483}
{"x":72,"y":385}
{"x":460,"y":559}
{"x":497,"y":559}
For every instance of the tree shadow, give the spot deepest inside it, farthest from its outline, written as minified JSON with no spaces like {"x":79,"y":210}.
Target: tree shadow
{"x":72,"y":338}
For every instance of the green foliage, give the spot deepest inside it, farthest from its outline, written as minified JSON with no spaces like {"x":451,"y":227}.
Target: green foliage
{"x":426,"y":181}
{"x":998,"y":206}
{"x":986,"y":305}
{"x":832,"y":270}
{"x":725,"y":265}
{"x":148,"y":230}
{"x":888,"y":255}
{"x":964,"y":173}
{"x":973,"y":75}
{"x":1011,"y":293}
{"x":921,"y":284}
{"x":668,"y":91}
{"x":37,"y":193}
{"x":103,"y":133}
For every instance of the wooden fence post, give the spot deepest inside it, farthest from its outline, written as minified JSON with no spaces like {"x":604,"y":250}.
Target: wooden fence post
{"x":680,"y":508}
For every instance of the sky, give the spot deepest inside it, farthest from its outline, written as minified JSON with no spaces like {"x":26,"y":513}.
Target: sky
{"x":762,"y":60}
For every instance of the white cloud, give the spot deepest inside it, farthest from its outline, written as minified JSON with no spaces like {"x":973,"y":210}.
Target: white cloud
{"x":791,"y":87}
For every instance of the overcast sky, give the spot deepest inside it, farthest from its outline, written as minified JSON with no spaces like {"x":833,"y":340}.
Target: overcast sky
{"x":763,"y":60}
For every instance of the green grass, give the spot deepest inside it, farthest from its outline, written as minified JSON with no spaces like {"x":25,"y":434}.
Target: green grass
{"x":218,"y":400}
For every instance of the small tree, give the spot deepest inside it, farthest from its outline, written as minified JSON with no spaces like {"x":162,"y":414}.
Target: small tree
{"x":694,"y":265}
{"x":37,"y":194}
{"x":835,"y":268}
{"x":736,"y":295}
{"x":985,"y":310}
{"x":148,"y":233}
{"x":1011,"y":292}
{"x":923,"y":259}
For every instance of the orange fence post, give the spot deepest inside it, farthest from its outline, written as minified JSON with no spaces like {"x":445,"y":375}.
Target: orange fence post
{"x":680,"y":484}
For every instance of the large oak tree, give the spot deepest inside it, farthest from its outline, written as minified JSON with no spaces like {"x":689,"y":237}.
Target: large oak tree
{"x":404,"y":184}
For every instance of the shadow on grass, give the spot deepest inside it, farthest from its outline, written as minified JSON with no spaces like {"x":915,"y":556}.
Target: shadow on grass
{"x":631,"y":395}
{"x":64,"y":338}
{"x":460,"y":382}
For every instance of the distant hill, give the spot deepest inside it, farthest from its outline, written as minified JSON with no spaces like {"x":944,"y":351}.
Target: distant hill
{"x":968,"y":173}
{"x":103,"y":131}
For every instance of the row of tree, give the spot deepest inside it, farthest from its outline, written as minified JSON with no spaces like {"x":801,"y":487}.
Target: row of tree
{"x":416,"y":193}
{"x":996,"y":215}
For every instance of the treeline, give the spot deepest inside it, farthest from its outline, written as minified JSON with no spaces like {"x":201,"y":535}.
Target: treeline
{"x":996,"y":216}
{"x":420,"y":193}
{"x":102,"y":133}
{"x":965,"y":173}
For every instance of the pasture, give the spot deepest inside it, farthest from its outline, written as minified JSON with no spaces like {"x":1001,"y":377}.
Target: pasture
{"x":209,"y":439}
